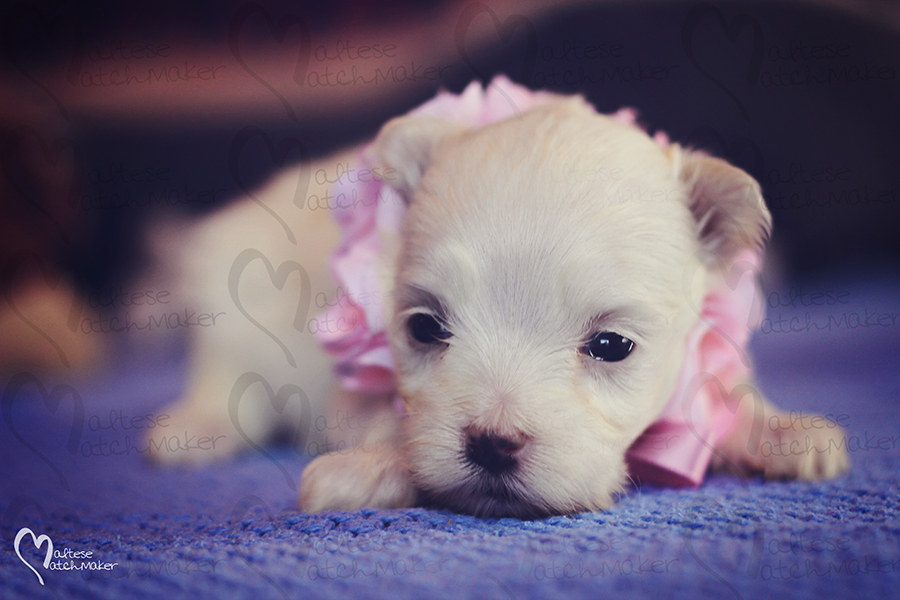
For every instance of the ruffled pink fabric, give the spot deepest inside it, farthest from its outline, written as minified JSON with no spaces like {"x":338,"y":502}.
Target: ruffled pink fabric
{"x":676,"y":449}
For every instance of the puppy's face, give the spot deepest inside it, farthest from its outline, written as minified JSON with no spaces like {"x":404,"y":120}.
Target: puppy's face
{"x":539,"y":313}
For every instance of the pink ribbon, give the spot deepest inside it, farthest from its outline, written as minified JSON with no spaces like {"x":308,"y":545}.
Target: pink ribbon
{"x":676,"y":449}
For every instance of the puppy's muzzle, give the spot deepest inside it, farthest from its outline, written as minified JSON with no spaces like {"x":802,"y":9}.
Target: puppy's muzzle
{"x":495,"y":453}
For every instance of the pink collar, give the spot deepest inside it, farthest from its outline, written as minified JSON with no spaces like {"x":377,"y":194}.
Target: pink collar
{"x":677,"y":448}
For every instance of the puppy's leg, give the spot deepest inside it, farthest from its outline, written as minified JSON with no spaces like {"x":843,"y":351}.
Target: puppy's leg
{"x":233,"y":403}
{"x":246,"y":364}
{"x":782,"y":445}
{"x":373,"y":475}
{"x":197,"y":429}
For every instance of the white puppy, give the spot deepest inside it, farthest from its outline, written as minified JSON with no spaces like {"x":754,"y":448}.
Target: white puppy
{"x":539,"y":300}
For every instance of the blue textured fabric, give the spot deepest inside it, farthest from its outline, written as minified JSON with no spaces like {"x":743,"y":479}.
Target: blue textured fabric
{"x":231,"y":530}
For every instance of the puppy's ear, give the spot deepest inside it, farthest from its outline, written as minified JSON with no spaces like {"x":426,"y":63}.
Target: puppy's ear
{"x":408,"y":145}
{"x":727,"y":205}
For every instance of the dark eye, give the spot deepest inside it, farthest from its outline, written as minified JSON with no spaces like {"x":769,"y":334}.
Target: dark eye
{"x":608,"y":346}
{"x":426,"y":329}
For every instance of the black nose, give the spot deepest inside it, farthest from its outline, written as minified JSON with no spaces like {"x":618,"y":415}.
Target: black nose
{"x":493,"y":453}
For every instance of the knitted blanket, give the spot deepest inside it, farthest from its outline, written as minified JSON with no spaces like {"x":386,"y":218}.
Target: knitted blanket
{"x":126,"y":529}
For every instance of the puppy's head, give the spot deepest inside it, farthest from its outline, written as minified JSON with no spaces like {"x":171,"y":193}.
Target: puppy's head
{"x":538,"y":313}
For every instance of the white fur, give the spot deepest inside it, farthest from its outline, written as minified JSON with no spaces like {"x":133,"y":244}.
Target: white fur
{"x":534,"y":232}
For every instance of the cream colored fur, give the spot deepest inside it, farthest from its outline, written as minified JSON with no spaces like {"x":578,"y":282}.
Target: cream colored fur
{"x":532,"y":233}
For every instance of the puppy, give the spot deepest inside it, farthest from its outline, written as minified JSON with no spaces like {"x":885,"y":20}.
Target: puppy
{"x":529,"y":303}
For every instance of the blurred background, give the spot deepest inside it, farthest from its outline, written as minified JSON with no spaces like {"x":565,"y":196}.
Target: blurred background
{"x":114,"y":118}
{"x":118,"y":119}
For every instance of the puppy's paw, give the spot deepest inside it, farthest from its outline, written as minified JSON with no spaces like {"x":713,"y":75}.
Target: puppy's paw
{"x":803,"y":450}
{"x":781,"y":446}
{"x":188,"y":435}
{"x":372,"y":476}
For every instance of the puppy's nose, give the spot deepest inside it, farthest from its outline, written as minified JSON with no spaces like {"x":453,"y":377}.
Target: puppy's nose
{"x":494,"y":453}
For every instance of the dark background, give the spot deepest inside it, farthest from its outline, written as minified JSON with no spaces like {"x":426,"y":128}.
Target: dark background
{"x":816,"y":145}
{"x":803,"y":96}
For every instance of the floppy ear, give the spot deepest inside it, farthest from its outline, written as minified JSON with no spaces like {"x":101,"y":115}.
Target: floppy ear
{"x":727,"y":205}
{"x":408,"y":145}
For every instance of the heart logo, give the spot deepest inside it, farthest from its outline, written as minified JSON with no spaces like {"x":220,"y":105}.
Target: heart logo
{"x":51,"y":402}
{"x":38,"y":542}
{"x":17,"y":261}
{"x":65,"y":518}
{"x":279,"y":155}
{"x":705,"y":136}
{"x":732,"y":400}
{"x":733,"y":277}
{"x":279,"y":278}
{"x":278,"y":31}
{"x":279,"y":403}
{"x":704,"y":508}
{"x":19,"y":504}
{"x":23,"y":25}
{"x":732,"y":31}
{"x":505,"y":31}
{"x":241,"y":509}
{"x":14,"y":150}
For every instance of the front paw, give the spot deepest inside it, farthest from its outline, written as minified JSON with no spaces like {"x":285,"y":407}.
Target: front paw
{"x":191,"y":435}
{"x":370,"y":476}
{"x":810,"y":448}
{"x":784,"y":446}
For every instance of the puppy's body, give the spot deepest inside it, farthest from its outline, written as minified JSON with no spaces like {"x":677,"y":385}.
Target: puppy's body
{"x":218,"y":267}
{"x":523,"y":241}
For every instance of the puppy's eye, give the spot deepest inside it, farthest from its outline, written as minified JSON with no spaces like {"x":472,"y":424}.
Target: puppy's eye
{"x":426,"y":329}
{"x":608,"y":346}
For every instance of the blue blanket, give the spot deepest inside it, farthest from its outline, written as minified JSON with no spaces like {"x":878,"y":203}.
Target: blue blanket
{"x":232,"y":530}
